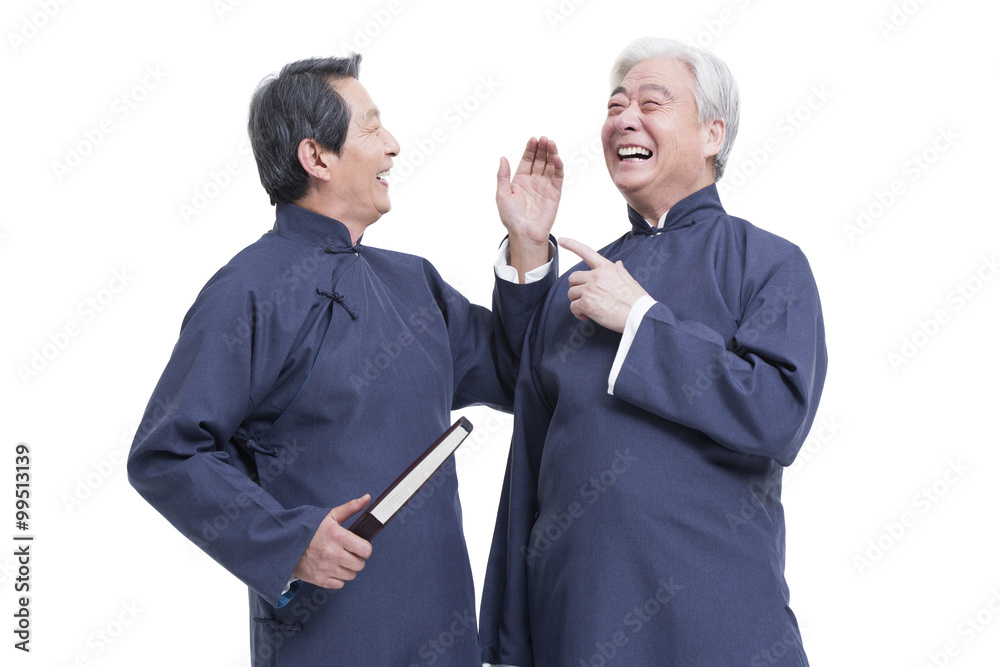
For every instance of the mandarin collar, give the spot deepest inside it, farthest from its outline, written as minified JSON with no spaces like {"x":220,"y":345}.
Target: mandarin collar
{"x":684,"y":213}
{"x":304,"y":226}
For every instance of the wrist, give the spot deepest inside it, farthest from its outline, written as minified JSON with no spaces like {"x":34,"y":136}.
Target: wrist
{"x":525,"y":243}
{"x":527,"y":255}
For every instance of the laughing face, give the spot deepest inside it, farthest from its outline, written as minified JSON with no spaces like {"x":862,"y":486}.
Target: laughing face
{"x":656,"y":150}
{"x":359,"y":173}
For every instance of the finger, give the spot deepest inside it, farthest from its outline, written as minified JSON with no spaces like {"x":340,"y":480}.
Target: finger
{"x":347,"y":510}
{"x":346,"y":571}
{"x":578,"y":278}
{"x":584,"y":252}
{"x":524,"y":167}
{"x":574,"y":307}
{"x":350,"y":563}
{"x":574,"y":293}
{"x":553,"y":164}
{"x":358,"y":546}
{"x":541,"y":157}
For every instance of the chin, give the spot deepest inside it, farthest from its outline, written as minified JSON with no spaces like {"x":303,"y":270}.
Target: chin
{"x":629,"y":184}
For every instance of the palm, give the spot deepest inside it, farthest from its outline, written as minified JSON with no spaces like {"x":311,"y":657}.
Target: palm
{"x":528,"y":202}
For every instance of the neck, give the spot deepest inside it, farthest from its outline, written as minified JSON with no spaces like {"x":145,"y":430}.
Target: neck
{"x":316,"y":203}
{"x":653,"y":210}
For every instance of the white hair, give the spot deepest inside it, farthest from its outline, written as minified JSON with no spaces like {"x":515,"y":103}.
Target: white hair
{"x":715,"y":91}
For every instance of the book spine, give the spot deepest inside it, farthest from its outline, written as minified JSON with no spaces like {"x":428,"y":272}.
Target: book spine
{"x":366,"y":527}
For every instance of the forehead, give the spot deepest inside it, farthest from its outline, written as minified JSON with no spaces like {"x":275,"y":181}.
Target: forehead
{"x":671,"y":74}
{"x":357,"y":98}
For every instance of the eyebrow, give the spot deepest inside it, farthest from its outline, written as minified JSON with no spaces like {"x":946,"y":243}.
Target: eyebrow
{"x":656,"y":87}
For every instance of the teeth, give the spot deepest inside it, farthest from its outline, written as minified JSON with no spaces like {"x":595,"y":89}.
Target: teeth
{"x":633,"y":151}
{"x":382,"y":175}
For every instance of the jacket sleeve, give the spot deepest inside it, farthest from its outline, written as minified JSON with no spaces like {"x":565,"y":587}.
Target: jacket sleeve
{"x":485,"y":344}
{"x":756,"y":393}
{"x":504,"y":629}
{"x":184,"y":461}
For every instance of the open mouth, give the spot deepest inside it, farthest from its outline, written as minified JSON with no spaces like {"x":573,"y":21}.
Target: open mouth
{"x":383,"y":176}
{"x":634,"y":154}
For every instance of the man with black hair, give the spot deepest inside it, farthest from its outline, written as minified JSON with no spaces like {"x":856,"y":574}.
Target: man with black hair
{"x":312,"y":369}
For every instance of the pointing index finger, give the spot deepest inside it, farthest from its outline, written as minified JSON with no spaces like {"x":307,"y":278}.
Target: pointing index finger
{"x":585,"y":252}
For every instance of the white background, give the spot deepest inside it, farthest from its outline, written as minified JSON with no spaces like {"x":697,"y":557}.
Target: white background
{"x":837,"y":101}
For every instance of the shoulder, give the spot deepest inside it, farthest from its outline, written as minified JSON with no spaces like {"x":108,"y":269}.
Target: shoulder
{"x":403,"y":268}
{"x":255,"y":274}
{"x":763,"y":250}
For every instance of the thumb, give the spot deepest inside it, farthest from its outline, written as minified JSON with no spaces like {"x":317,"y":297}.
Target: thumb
{"x":347,"y":510}
{"x":503,"y":175}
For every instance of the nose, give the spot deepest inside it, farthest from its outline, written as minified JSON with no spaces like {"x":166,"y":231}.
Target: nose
{"x":628,"y":119}
{"x":391,"y":147}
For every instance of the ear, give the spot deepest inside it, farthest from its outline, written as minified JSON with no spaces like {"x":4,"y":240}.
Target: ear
{"x":316,"y":160}
{"x":714,"y":136}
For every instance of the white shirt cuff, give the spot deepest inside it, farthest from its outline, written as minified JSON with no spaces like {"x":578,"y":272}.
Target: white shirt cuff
{"x":639,"y":310}
{"x":507,"y":272}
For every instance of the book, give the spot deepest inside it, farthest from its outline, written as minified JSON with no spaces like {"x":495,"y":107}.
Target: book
{"x":394,"y":498}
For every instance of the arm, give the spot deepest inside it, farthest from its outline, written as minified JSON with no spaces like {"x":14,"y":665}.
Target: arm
{"x":755,"y":394}
{"x":187,"y":466}
{"x":486,"y":346}
{"x":527,"y":206}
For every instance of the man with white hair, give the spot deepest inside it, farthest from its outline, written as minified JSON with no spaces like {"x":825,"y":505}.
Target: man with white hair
{"x":663,"y":387}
